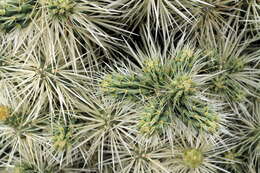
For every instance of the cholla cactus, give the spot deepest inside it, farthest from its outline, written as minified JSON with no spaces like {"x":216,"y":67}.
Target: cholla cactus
{"x":141,"y":157}
{"x":17,"y":132}
{"x":129,"y":86}
{"x":249,"y":145}
{"x":66,"y":22}
{"x":196,"y":155}
{"x":104,"y":125}
{"x":163,"y":14}
{"x":186,"y":155}
{"x":251,"y":16}
{"x":236,"y":67}
{"x":16,"y":14}
{"x":48,"y":75}
{"x":234,"y":161}
{"x":211,"y":18}
{"x":173,"y":86}
{"x":41,"y":160}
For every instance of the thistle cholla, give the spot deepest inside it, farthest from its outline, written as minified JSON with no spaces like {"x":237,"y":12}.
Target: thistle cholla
{"x":129,"y":86}
{"x":169,"y":88}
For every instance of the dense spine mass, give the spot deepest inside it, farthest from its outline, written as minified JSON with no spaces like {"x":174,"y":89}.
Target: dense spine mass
{"x":129,"y":86}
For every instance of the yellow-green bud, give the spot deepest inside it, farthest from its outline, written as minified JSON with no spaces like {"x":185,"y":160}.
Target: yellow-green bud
{"x":192,"y":158}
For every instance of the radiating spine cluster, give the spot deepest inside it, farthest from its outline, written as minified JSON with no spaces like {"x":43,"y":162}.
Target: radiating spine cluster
{"x":129,"y":86}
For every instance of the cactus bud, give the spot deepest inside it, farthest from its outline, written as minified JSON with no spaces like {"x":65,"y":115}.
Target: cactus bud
{"x":192,"y":158}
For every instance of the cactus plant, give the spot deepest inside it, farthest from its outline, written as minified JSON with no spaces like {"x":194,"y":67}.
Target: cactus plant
{"x":47,"y":75}
{"x":237,"y":77}
{"x":196,"y":155}
{"x":250,"y":136}
{"x":163,"y":14}
{"x":16,"y":14}
{"x":129,"y":86}
{"x":172,"y":88}
{"x":103,"y":125}
{"x":17,"y":131}
{"x":212,"y":17}
{"x":65,"y":22}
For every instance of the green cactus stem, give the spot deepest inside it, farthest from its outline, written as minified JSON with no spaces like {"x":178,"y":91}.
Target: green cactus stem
{"x":16,"y":14}
{"x":61,"y":8}
{"x":171,"y":91}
